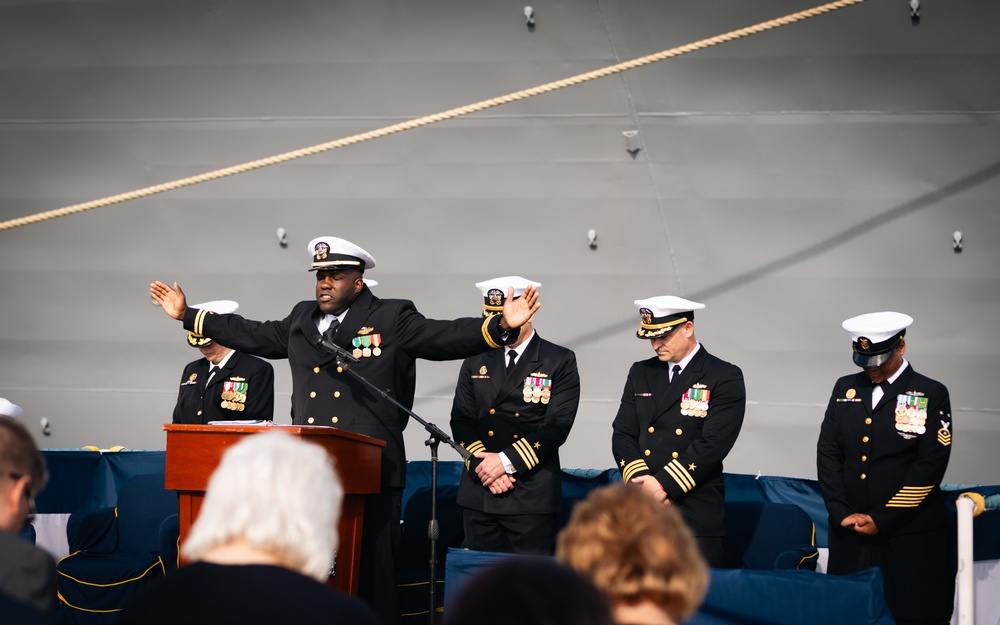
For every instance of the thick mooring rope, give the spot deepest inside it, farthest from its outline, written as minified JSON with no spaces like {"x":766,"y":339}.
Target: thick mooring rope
{"x":431,"y":119}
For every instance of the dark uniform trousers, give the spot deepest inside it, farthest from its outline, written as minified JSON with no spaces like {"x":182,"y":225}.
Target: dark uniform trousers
{"x":889,"y":463}
{"x":526,"y":415}
{"x":198,"y":403}
{"x":679,"y":432}
{"x":390,"y":335}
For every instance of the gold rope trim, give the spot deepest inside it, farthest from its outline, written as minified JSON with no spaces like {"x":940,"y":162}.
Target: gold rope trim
{"x":486,"y":332}
{"x":432,"y":119}
{"x":660,"y":326}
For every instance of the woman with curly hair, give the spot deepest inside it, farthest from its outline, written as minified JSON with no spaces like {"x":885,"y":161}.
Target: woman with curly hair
{"x":638,"y":552}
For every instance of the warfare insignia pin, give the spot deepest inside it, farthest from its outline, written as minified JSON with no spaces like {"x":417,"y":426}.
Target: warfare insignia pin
{"x":365,"y":330}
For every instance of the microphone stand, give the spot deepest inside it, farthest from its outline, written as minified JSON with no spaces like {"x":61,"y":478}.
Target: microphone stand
{"x":344,"y":360}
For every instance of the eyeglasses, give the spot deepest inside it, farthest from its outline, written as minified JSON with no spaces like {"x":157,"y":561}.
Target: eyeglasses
{"x":28,"y":494}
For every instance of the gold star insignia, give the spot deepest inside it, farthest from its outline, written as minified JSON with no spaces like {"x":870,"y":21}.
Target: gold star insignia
{"x":538,"y":445}
{"x":622,"y":463}
{"x":692,"y":467}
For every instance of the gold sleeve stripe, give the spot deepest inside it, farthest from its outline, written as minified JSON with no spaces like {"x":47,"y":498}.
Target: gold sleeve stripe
{"x":523,"y":448}
{"x":680,"y":475}
{"x":632,"y":468}
{"x":199,"y":320}
{"x":909,"y":497}
{"x":486,"y":334}
{"x":476,"y":447}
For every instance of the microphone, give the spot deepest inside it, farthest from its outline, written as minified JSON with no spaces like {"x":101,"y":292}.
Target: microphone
{"x":339,"y":351}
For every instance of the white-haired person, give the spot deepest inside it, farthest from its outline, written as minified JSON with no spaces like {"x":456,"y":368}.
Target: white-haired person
{"x":262,"y":545}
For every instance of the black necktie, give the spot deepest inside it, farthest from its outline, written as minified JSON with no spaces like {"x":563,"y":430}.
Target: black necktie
{"x":211,"y":372}
{"x":511,"y":355}
{"x":675,"y":371}
{"x":332,"y":330}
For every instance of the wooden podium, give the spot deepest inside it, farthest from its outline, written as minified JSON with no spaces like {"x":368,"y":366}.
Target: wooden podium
{"x":193,"y":452}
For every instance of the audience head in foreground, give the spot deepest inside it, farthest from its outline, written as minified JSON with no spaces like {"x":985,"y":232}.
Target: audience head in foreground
{"x":263,"y":543}
{"x":24,"y":474}
{"x":528,"y":590}
{"x":272,"y":497}
{"x":27,"y":572}
{"x":638,"y":552}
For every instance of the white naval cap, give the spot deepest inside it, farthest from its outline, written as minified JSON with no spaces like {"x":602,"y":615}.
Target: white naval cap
{"x":10,"y":409}
{"x":218,"y":306}
{"x":658,"y":316}
{"x":875,"y":335}
{"x":336,"y":253}
{"x":495,"y":291}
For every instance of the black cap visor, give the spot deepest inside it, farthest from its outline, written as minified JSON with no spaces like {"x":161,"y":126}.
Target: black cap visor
{"x":868,"y":361}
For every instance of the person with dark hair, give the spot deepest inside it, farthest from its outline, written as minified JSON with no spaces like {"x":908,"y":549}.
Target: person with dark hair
{"x":27,"y":573}
{"x":883,"y":450}
{"x":386,"y":336}
{"x":680,"y":414}
{"x":528,"y":590}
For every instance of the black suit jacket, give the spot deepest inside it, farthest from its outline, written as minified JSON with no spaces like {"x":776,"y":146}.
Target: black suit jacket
{"x":197,"y":403}
{"x":27,"y":573}
{"x":865,"y":464}
{"x":683,"y":452}
{"x":323,"y":396}
{"x":489,"y":413}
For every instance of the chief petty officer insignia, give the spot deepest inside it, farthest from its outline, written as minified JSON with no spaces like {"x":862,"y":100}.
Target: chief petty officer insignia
{"x":944,"y":434}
